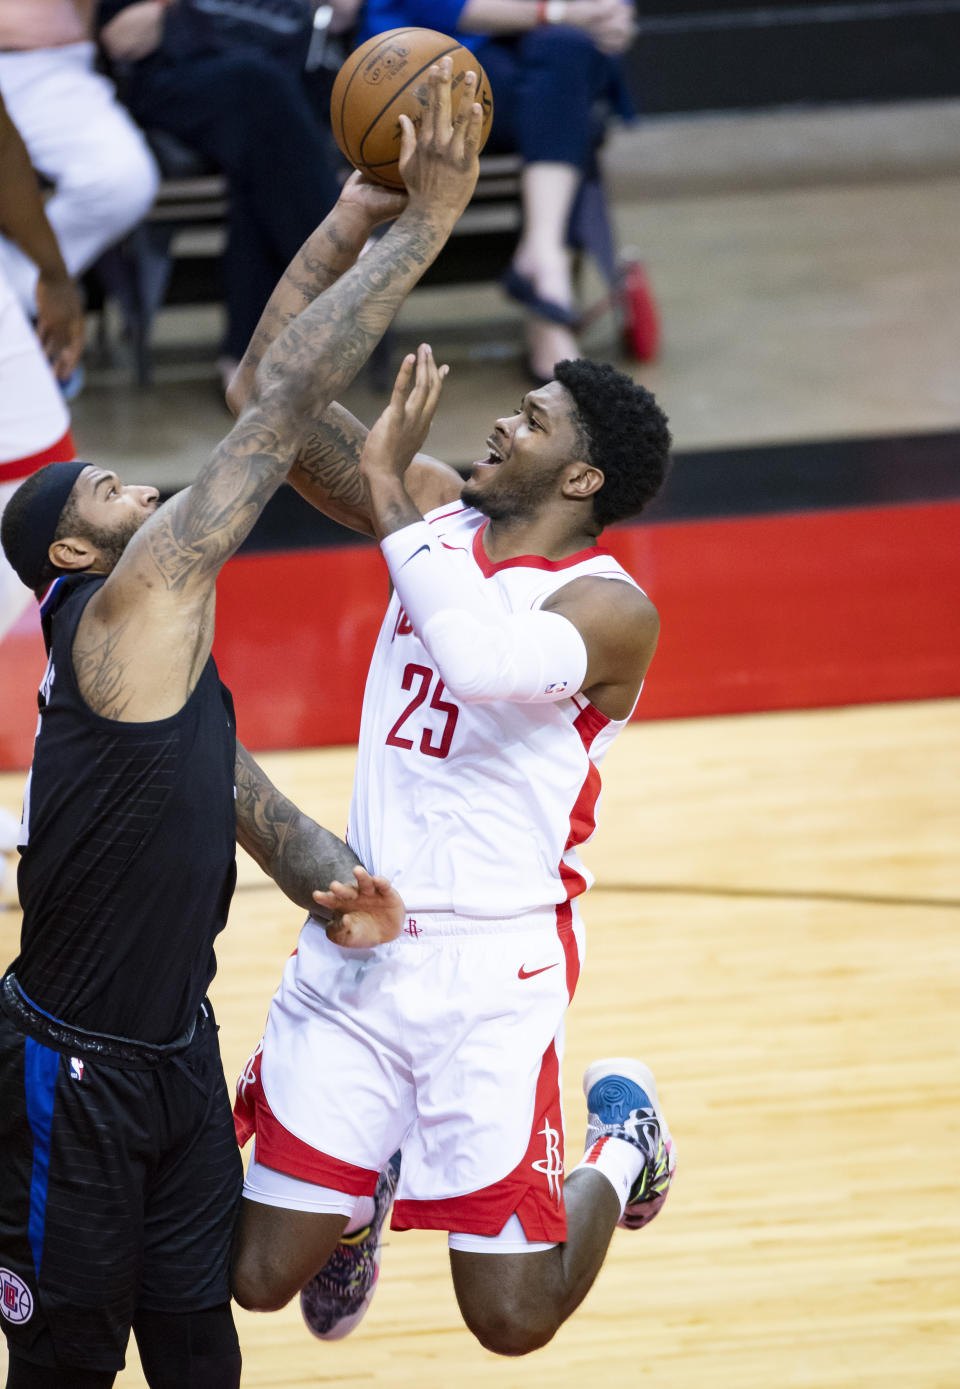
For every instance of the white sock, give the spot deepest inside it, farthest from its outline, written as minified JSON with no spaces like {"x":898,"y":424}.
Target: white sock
{"x":363,"y":1213}
{"x":617,"y":1160}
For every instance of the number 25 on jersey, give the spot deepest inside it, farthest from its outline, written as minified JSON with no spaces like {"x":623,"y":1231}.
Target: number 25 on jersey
{"x":419,"y":679}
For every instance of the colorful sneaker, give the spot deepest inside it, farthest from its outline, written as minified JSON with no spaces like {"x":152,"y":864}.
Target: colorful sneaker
{"x":336,"y":1299}
{"x":622,"y":1103}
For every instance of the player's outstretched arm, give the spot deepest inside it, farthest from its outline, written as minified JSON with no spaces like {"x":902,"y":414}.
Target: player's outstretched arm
{"x":312,"y":866}
{"x":320,"y":351}
{"x":327,"y":253}
{"x":147,"y":632}
{"x":325,"y":471}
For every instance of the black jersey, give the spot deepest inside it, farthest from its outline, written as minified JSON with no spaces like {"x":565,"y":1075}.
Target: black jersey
{"x":130,"y":861}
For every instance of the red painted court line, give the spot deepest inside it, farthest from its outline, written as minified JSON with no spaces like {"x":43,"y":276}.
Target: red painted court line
{"x":772,"y":612}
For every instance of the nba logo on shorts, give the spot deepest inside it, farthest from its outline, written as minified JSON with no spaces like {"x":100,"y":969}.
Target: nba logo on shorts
{"x":555,"y":687}
{"x":16,"y":1299}
{"x":76,"y":1068}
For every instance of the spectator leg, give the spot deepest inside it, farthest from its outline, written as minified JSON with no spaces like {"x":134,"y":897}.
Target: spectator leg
{"x":545,"y":84}
{"x":82,"y":140}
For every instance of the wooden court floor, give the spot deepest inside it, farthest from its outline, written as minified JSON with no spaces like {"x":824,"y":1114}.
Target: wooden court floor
{"x":776,"y":929}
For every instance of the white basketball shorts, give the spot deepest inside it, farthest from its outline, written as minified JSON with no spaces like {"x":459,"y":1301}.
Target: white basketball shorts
{"x":445,"y":1043}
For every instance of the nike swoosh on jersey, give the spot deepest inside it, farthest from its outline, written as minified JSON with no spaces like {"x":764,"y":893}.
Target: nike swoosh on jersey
{"x":529,"y":973}
{"x":414,"y":555}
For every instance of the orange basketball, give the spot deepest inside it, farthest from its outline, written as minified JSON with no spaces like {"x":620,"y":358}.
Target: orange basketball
{"x":386,"y":77}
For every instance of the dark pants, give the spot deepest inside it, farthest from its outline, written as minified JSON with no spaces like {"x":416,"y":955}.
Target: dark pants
{"x":547,"y":86}
{"x":261,"y":123}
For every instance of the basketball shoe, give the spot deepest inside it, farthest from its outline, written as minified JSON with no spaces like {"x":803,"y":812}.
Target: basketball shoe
{"x":336,"y":1299}
{"x":622,"y":1103}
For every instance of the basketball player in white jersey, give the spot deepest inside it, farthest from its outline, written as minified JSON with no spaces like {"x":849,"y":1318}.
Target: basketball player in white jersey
{"x":513,"y":651}
{"x":34,"y":423}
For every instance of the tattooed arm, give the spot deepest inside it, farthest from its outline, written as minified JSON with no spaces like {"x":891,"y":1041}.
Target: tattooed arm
{"x":325,"y":471}
{"x":306,"y":860}
{"x":326,"y":254}
{"x":157,"y":603}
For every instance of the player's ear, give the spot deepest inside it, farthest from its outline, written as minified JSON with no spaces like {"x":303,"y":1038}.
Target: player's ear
{"x":72,"y":553}
{"x":582,"y":480}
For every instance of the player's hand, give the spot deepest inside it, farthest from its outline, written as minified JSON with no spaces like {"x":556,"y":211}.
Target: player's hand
{"x":366,"y":912}
{"x":60,"y":323}
{"x":401,"y":430}
{"x":611,"y":24}
{"x":371,"y":201}
{"x":439,"y":159}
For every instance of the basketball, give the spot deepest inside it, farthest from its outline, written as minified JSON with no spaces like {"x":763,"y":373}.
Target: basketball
{"x":387,"y":77}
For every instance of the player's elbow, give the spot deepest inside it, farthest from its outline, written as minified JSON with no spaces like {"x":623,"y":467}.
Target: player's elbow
{"x":527,"y":657}
{"x":237,"y":393}
{"x":469,"y":675}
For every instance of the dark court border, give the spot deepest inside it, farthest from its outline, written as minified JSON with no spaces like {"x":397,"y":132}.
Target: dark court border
{"x":722,"y":483}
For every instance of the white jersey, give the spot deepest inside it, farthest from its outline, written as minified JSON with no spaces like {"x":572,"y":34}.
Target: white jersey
{"x":477,"y":808}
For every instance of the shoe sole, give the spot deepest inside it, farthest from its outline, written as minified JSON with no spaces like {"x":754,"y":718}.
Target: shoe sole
{"x":631,"y":1069}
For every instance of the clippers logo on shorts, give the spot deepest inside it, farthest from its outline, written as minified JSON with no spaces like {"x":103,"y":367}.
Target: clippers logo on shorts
{"x":16,"y":1299}
{"x":551,"y":1165}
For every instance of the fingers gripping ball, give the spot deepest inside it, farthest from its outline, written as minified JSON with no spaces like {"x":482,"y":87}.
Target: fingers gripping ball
{"x":387,"y":77}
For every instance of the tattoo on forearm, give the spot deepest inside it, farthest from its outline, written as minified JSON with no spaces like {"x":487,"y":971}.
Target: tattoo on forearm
{"x":316,"y":355}
{"x":334,"y":335}
{"x":296,"y":852}
{"x":330,"y":463}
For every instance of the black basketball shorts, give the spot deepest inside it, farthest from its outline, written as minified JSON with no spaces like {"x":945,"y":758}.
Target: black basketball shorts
{"x":120,"y":1180}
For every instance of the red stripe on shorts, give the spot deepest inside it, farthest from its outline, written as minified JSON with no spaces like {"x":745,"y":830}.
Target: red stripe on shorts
{"x":568,"y":941}
{"x":533,"y":1191}
{"x":281,"y":1150}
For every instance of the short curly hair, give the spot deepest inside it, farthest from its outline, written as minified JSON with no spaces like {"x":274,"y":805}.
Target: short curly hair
{"x":622,"y":431}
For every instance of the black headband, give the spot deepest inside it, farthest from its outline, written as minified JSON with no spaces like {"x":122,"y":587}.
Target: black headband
{"x":27,"y":551}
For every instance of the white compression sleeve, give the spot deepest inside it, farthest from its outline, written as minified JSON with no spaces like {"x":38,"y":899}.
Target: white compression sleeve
{"x":481,"y":652}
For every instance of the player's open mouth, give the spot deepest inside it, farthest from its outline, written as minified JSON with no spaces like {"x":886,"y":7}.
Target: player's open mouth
{"x":494,"y":455}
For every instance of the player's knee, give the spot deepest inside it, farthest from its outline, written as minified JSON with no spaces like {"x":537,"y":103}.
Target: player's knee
{"x":514,"y":1330}
{"x":259,"y":1283}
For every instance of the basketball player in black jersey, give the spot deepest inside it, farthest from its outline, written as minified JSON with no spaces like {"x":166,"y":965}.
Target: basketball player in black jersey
{"x":120,"y":1173}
